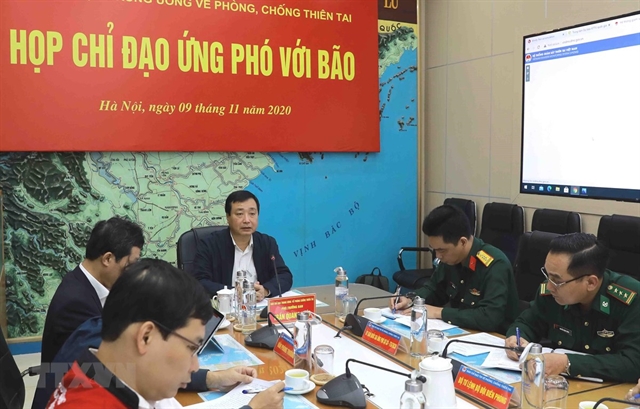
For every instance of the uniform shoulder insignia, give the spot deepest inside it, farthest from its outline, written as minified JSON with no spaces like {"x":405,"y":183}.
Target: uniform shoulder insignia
{"x":484,"y":258}
{"x":544,"y":290}
{"x":621,"y":293}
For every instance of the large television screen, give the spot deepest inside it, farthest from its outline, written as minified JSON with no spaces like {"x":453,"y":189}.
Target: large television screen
{"x":581,"y":111}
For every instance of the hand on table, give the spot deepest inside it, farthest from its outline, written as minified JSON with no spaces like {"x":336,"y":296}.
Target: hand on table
{"x":229,"y":378}
{"x":632,"y":392}
{"x":261,"y":292}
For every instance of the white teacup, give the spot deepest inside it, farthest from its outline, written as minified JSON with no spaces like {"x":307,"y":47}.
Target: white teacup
{"x":296,"y":379}
{"x":589,"y":404}
{"x":374,"y":314}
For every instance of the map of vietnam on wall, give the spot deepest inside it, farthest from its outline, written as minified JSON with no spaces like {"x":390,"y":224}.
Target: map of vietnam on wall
{"x":325,"y":209}
{"x":207,"y":70}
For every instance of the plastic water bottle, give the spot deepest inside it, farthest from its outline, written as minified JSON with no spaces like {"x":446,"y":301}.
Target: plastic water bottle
{"x":342,"y":290}
{"x":419,"y":341}
{"x":302,"y":342}
{"x":248,"y":307}
{"x":412,"y":397}
{"x":533,"y":379}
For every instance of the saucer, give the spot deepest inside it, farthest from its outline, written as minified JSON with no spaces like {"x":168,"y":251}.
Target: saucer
{"x":224,"y":324}
{"x":310,"y":386}
{"x":378,"y":321}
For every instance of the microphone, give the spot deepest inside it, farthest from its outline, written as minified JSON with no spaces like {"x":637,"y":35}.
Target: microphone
{"x":275,"y":270}
{"x":358,"y":324}
{"x":346,"y":390}
{"x":462,"y":341}
{"x":265,"y":310}
{"x":626,"y":402}
{"x":266,"y":337}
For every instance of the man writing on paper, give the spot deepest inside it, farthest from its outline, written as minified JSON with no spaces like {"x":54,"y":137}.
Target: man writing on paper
{"x":475,"y":278}
{"x":153,"y":326}
{"x":585,"y":308}
{"x":240,"y":247}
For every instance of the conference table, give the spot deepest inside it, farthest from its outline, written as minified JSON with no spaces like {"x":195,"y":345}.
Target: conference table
{"x":274,"y":366}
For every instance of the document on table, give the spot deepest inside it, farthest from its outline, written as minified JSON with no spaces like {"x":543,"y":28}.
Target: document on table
{"x":468,"y":349}
{"x":406,"y":320}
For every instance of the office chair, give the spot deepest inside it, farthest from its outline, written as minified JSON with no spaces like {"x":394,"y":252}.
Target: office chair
{"x":556,"y":221}
{"x":415,"y":278}
{"x":532,"y":253}
{"x":12,"y":390}
{"x":622,"y":235}
{"x":502,"y":226}
{"x":187,"y":245}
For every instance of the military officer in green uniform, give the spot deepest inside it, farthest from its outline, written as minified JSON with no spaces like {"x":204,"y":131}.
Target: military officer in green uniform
{"x":585,"y":308}
{"x":473,"y":279}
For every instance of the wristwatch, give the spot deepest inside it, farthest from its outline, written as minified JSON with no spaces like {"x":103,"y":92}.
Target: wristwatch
{"x":568,"y":367}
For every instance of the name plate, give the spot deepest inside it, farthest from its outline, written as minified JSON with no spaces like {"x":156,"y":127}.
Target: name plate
{"x":382,"y":338}
{"x":287,"y":308}
{"x":284,"y":348}
{"x":486,"y":389}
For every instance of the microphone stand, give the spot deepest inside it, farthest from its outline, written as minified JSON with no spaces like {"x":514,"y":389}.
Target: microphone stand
{"x":266,"y":337}
{"x":265,"y":310}
{"x":462,"y":341}
{"x":626,"y":402}
{"x":357,"y":323}
{"x":346,"y":390}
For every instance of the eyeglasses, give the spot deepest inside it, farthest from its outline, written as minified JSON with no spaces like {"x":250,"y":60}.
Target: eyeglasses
{"x":194,"y":346}
{"x":558,"y":285}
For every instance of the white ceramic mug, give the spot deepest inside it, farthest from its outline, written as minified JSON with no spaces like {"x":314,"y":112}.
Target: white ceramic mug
{"x":374,"y":314}
{"x":296,"y":379}
{"x":222,"y":301}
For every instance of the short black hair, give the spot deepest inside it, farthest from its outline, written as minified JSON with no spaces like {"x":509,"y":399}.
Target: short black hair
{"x":588,"y":254}
{"x":116,"y":235}
{"x":154,"y":290}
{"x":447,"y":222}
{"x":239,"y":196}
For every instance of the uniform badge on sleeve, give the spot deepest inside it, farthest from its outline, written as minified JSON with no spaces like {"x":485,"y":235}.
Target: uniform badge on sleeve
{"x":606,"y":334}
{"x":484,"y":258}
{"x":621,"y":293}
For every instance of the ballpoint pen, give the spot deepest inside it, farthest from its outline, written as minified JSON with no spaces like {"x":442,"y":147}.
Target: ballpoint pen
{"x":396,"y":300}
{"x":252,"y":391}
{"x":518,"y":335}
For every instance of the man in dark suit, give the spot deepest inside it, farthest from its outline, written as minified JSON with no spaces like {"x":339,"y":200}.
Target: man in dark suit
{"x":240,"y":247}
{"x":113,"y":245}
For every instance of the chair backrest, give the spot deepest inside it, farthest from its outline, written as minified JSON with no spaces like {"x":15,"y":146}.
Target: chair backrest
{"x":11,"y":384}
{"x":622,"y":235}
{"x":187,"y":245}
{"x":502,"y":226}
{"x":532,"y":252}
{"x":468,"y":207}
{"x":556,"y":221}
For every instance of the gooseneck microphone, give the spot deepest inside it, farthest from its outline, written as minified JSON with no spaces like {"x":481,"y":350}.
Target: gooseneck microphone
{"x":266,"y":337}
{"x":275,"y":271}
{"x":358,"y":324}
{"x":346,"y":390}
{"x":462,"y":341}
{"x":626,"y":402}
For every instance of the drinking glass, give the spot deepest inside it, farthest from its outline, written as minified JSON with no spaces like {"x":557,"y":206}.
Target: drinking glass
{"x":323,"y":355}
{"x":556,"y":390}
{"x":349,"y":304}
{"x":435,"y":341}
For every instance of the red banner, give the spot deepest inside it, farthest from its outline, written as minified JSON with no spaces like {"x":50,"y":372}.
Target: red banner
{"x":189,"y":75}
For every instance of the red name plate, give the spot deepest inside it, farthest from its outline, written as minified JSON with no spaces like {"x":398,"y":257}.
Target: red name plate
{"x":382,"y":338}
{"x":284,"y":348}
{"x":287,"y":308}
{"x":484,"y":388}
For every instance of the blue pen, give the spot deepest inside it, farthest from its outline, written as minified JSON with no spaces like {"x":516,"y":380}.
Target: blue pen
{"x":636,"y":396}
{"x":252,"y":391}
{"x":518,"y":336}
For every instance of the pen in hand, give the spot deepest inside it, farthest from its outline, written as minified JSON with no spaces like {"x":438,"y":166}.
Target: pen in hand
{"x":253,"y":391}
{"x":518,"y":336}
{"x":395,"y":302}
